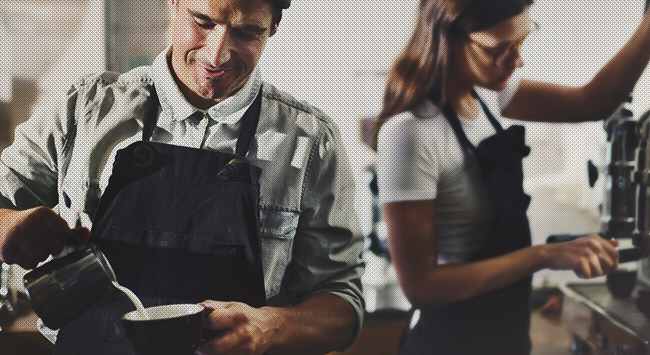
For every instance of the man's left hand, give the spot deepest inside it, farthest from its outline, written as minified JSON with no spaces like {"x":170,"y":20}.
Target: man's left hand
{"x":246,"y":330}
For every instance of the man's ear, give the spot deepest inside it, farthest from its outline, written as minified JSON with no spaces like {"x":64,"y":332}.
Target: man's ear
{"x":275,"y":26}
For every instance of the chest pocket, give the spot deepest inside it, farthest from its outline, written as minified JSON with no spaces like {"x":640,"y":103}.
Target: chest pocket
{"x":277,"y":232}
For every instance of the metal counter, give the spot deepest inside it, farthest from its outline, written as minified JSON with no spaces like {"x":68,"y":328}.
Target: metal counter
{"x":602,"y":324}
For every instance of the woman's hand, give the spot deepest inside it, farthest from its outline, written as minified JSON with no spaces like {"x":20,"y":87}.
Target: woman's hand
{"x":588,"y":257}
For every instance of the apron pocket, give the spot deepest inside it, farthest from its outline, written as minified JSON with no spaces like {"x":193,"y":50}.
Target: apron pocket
{"x":165,"y":268}
{"x":278,"y":227}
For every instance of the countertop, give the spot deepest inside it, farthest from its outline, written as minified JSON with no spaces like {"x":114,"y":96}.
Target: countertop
{"x":21,"y":332}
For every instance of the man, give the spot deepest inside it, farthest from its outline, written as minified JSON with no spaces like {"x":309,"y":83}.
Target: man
{"x":181,"y":224}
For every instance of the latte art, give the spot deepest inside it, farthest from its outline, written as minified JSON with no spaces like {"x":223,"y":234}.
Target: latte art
{"x":165,"y":312}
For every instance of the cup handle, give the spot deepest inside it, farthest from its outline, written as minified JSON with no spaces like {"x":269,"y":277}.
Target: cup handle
{"x":208,"y":334}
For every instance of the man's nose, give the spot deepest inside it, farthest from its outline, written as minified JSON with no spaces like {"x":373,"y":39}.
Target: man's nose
{"x":219,"y":46}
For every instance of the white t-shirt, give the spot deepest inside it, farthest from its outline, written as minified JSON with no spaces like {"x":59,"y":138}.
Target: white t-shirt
{"x":420,"y":158}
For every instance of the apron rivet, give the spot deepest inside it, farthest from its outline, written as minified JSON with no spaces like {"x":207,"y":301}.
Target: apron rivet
{"x":143,"y":155}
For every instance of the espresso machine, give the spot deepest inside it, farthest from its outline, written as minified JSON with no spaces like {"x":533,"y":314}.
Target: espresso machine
{"x":641,"y":237}
{"x":621,"y":208}
{"x":618,"y":211}
{"x":614,"y":318}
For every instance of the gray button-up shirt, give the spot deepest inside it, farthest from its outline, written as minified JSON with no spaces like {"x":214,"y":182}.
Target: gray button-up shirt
{"x":310,"y":239}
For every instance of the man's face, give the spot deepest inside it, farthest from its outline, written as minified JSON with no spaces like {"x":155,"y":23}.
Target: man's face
{"x":216,"y":45}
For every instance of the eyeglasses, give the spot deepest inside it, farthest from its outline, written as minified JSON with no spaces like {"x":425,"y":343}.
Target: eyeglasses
{"x":503,"y":51}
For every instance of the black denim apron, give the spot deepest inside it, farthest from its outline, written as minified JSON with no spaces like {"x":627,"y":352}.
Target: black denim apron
{"x":497,"y":322}
{"x":178,"y":225}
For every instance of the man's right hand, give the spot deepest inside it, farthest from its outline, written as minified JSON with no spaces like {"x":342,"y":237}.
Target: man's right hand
{"x":31,"y":236}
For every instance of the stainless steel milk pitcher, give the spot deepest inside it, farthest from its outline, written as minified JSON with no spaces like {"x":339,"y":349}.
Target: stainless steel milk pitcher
{"x":63,"y":289}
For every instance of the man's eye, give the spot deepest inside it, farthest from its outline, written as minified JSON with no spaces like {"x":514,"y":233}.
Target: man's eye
{"x":245,"y":34}
{"x":203,"y":24}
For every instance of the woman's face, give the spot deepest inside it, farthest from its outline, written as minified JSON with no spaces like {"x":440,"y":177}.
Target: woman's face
{"x":488,"y":58}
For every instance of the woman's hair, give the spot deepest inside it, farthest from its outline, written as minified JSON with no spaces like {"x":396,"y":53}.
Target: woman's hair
{"x":420,"y":72}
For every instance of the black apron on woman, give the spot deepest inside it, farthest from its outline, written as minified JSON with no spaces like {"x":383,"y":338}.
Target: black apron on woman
{"x":178,"y":225}
{"x":497,"y":322}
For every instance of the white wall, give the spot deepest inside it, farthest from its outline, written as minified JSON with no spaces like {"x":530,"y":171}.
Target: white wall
{"x":53,"y":42}
{"x":83,"y":55}
{"x":6,"y":72}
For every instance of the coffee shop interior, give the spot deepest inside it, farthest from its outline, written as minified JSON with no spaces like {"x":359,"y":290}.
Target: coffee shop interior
{"x":336,"y":57}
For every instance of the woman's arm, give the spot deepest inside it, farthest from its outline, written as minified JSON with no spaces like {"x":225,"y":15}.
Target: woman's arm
{"x":535,"y":101}
{"x":414,"y":251}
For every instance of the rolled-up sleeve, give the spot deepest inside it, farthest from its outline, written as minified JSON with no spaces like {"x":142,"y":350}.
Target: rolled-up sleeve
{"x":328,"y":241}
{"x":29,"y":167}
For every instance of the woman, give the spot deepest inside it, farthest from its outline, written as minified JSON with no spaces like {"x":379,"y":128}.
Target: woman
{"x":450,"y":178}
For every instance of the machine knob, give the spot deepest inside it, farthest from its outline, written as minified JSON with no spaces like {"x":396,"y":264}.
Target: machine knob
{"x":592,"y":171}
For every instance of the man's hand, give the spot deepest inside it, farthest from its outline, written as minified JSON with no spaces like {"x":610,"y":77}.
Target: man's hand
{"x":319,"y":324}
{"x":31,"y":236}
{"x":246,"y":330}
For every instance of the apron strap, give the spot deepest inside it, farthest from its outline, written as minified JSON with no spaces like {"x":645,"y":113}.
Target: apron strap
{"x":488,"y":113}
{"x":249,"y":125}
{"x":248,"y":122}
{"x":151,"y":118}
{"x":454,"y":121}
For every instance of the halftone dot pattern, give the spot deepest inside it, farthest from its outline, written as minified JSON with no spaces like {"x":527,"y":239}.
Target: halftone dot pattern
{"x":322,"y":48}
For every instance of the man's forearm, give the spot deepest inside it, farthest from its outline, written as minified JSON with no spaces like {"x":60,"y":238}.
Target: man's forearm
{"x":322,"y":323}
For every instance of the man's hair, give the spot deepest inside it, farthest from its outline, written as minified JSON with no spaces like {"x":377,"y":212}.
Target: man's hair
{"x":276,"y":12}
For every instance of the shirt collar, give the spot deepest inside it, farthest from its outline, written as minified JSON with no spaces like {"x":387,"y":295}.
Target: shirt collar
{"x":176,"y":108}
{"x":426,"y":109}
